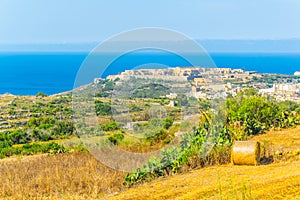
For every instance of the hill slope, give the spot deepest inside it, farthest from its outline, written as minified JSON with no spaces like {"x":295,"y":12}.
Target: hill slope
{"x":279,"y":180}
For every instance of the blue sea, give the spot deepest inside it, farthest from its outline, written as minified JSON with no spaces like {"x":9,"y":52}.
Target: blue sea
{"x":51,"y":73}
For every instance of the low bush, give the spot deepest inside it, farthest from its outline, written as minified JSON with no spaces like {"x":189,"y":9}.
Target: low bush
{"x":109,"y":126}
{"x":116,"y":138}
{"x":31,"y":149}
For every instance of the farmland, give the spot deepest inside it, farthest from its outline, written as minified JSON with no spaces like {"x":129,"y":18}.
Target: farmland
{"x":78,"y":175}
{"x":278,"y":180}
{"x":48,"y":138}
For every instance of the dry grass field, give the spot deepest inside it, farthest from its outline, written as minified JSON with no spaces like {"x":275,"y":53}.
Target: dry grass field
{"x":278,"y":180}
{"x":80,"y":176}
{"x":274,"y":181}
{"x":63,"y":176}
{"x":283,"y":140}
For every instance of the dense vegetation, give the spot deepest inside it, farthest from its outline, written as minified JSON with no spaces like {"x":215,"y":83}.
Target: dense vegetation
{"x":246,"y":114}
{"x":103,"y":108}
{"x":253,"y":114}
{"x":104,"y":88}
{"x":152,"y":90}
{"x":31,"y":122}
{"x":7,"y":149}
{"x":38,"y":129}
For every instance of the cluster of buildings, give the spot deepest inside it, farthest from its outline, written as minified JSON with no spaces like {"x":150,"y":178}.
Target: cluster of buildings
{"x":283,"y":91}
{"x":214,"y":82}
{"x":204,"y":82}
{"x":199,"y":75}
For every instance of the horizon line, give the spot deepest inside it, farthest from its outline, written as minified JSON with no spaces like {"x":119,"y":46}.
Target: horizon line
{"x":196,"y":39}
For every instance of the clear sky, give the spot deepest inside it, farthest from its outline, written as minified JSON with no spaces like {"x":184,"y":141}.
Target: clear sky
{"x":68,"y":21}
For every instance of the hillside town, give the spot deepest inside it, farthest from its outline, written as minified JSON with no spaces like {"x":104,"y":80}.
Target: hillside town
{"x":220,"y":82}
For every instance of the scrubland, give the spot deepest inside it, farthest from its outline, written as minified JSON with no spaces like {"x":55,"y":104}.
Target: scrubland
{"x":79,"y":175}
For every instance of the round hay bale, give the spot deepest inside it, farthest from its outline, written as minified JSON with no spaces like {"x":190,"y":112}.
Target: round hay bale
{"x":245,"y":153}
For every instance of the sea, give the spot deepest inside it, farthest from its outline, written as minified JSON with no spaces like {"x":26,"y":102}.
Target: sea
{"x":52,"y":73}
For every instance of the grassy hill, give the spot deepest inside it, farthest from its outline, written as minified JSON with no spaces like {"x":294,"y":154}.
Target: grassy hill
{"x":278,"y":180}
{"x":78,"y":175}
{"x":275,"y":181}
{"x":48,"y":126}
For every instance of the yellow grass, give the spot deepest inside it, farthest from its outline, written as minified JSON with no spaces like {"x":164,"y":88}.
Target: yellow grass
{"x":279,"y":180}
{"x":65,"y":176}
{"x":80,"y":176}
{"x":284,"y":140}
{"x":275,"y":181}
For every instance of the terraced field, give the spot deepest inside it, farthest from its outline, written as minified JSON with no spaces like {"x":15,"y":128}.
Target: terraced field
{"x":15,"y":111}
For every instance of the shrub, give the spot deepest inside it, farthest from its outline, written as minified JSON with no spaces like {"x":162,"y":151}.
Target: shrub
{"x":116,"y":138}
{"x":257,"y":114}
{"x":31,"y":149}
{"x":103,"y":108}
{"x":110,"y":126}
{"x":134,"y":108}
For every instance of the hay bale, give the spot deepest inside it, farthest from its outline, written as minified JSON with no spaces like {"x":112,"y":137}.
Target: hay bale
{"x":245,"y":153}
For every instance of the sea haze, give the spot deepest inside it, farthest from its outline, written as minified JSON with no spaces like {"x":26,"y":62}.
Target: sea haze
{"x":29,"y":73}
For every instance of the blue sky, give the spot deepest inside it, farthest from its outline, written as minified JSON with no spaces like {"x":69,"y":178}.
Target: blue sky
{"x":69,"y":21}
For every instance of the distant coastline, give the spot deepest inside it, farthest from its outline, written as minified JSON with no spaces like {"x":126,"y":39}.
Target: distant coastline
{"x":52,"y":73}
